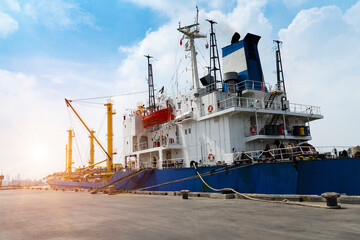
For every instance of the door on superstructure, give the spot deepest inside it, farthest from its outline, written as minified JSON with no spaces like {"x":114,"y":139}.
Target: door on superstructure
{"x":143,"y":144}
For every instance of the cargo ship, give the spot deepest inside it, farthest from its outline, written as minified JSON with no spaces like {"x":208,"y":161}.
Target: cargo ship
{"x":230,"y":127}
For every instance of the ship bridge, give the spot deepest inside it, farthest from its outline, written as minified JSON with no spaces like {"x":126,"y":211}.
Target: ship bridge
{"x":269,"y":115}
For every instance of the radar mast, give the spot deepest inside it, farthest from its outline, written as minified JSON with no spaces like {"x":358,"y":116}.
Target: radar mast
{"x":191,"y":32}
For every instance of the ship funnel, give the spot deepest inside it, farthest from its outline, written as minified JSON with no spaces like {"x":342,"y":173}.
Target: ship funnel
{"x":243,"y":58}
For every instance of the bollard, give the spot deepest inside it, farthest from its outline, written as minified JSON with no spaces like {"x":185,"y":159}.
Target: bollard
{"x":185,"y":194}
{"x":76,"y":190}
{"x":111,"y":190}
{"x":331,"y":199}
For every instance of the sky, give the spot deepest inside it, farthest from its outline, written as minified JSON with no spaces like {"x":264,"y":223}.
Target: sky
{"x":51,"y":50}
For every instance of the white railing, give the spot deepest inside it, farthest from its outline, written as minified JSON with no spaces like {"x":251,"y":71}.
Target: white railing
{"x":249,"y":85}
{"x":167,"y":163}
{"x":307,"y":109}
{"x":141,"y":146}
{"x":161,"y":143}
{"x":254,"y":103}
{"x":235,"y":88}
{"x":293,"y":153}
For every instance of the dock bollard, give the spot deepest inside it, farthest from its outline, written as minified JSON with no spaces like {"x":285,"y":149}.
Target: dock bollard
{"x":331,"y":199}
{"x":111,"y":190}
{"x":185,"y":194}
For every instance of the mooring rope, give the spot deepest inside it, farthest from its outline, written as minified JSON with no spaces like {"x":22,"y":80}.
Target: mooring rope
{"x":285,"y":201}
{"x":220,"y":170}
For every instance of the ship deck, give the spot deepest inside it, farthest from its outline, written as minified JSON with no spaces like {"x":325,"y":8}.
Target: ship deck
{"x":35,"y":214}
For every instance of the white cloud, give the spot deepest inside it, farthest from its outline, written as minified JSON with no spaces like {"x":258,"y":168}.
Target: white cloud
{"x":58,"y":13}
{"x":321,"y":64}
{"x":7,"y":25}
{"x":352,"y":16}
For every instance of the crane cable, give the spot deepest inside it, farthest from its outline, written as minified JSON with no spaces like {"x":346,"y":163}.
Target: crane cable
{"x":113,"y":96}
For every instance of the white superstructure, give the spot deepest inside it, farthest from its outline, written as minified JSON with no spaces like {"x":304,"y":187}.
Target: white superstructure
{"x":211,"y":125}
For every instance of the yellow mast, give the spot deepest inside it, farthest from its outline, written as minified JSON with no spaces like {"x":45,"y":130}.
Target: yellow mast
{"x":1,"y":179}
{"x":92,"y":150}
{"x":109,"y":162}
{"x":66,"y":157}
{"x":69,"y":153}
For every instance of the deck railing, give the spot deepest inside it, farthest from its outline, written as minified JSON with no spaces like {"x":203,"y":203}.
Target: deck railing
{"x":161,"y":143}
{"x":290,"y":153}
{"x":301,"y":108}
{"x":253,"y":103}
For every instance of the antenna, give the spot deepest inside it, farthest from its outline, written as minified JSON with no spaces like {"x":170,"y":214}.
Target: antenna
{"x":214,"y":54}
{"x":279,"y":69}
{"x":197,"y":18}
{"x":151,"y":85}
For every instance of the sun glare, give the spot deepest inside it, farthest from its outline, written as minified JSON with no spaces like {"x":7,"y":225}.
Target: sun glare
{"x":38,"y":153}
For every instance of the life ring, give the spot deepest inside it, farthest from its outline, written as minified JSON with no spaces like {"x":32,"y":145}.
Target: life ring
{"x":253,"y":130}
{"x":211,"y":157}
{"x":210,"y":108}
{"x":138,"y":112}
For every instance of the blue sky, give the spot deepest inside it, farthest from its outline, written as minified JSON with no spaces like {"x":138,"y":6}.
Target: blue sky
{"x":50,"y":50}
{"x":97,"y":29}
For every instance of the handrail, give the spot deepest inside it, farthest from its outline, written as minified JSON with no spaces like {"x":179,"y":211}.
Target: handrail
{"x":244,"y":102}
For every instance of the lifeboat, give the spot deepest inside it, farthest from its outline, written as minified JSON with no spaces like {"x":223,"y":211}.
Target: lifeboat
{"x":157,"y":117}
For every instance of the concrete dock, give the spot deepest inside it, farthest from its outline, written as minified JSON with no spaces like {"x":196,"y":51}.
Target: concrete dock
{"x":40,"y":214}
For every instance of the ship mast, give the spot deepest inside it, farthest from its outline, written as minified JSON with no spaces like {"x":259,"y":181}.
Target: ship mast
{"x":92,"y":149}
{"x":191,"y":32}
{"x":69,"y":152}
{"x":1,"y":179}
{"x":214,"y":55}
{"x":110,"y":153}
{"x":151,"y":85}
{"x":279,"y":69}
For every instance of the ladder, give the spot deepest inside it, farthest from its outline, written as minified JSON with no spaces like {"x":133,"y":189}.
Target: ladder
{"x":272,"y":119}
{"x":270,"y":101}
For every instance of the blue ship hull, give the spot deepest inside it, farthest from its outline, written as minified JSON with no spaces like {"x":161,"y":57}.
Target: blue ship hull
{"x":305,"y":177}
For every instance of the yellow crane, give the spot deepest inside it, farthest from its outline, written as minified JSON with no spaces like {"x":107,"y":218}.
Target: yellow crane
{"x":109,"y":153}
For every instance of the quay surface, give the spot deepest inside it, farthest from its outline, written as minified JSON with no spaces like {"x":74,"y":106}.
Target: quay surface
{"x":40,"y":214}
